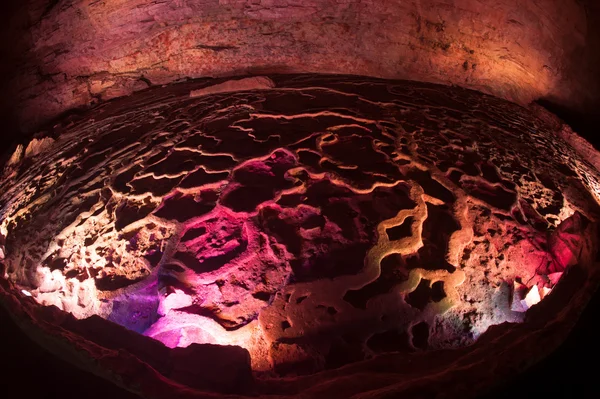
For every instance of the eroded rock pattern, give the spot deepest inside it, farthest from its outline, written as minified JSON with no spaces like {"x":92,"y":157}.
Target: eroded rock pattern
{"x":317,"y":223}
{"x":71,"y":53}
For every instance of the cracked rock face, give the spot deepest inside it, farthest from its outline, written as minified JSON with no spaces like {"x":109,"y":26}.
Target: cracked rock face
{"x":71,"y":53}
{"x":316,"y":222}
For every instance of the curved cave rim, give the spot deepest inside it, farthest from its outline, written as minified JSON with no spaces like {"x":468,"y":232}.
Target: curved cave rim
{"x":568,"y":287}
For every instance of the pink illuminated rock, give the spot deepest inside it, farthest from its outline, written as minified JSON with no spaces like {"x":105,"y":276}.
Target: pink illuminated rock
{"x":331,"y":236}
{"x":555,"y":277}
{"x":566,"y":243}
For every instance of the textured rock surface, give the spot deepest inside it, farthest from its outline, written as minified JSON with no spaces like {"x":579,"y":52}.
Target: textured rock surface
{"x":382,"y":226}
{"x":70,"y":53}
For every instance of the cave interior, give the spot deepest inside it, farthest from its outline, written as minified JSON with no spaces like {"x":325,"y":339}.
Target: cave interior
{"x":299,"y":198}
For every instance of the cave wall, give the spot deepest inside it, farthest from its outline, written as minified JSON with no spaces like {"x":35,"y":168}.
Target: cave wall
{"x":71,"y":53}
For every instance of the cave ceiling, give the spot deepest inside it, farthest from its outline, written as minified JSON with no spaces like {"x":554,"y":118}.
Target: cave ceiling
{"x":71,"y":53}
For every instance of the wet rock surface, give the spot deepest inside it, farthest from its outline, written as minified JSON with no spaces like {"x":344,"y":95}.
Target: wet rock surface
{"x":327,"y":221}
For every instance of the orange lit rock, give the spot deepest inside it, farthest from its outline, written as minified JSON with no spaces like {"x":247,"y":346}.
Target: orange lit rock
{"x":254,"y":83}
{"x":349,"y":234}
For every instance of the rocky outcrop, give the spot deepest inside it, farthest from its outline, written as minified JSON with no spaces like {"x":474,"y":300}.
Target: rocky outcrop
{"x":253,"y":83}
{"x":72,"y":53}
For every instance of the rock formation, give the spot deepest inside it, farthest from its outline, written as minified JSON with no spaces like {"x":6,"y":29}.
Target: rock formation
{"x":313,"y":235}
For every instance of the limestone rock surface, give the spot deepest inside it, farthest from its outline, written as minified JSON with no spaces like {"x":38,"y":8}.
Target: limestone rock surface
{"x":339,"y":231}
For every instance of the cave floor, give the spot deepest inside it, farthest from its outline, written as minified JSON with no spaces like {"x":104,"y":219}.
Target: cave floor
{"x":315,"y":221}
